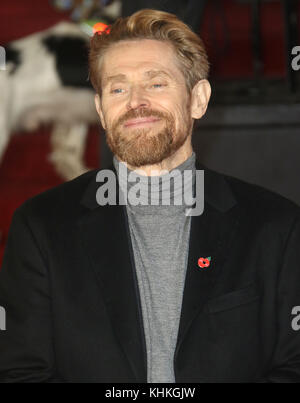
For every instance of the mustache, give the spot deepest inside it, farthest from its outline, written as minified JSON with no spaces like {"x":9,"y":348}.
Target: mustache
{"x":141,"y":113}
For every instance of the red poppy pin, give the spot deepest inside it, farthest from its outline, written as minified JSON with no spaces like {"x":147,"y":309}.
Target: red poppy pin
{"x":204,"y":262}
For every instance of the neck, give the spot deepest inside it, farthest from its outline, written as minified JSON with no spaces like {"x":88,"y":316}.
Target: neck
{"x":181,"y":155}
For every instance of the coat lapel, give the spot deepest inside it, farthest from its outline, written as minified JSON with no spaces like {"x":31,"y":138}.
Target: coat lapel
{"x":104,"y":233}
{"x":211,"y":235}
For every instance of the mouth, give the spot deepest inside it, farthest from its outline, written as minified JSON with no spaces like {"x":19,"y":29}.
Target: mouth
{"x":141,"y":122}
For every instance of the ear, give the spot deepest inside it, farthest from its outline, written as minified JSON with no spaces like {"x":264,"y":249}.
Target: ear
{"x":200,"y":98}
{"x":99,"y":110}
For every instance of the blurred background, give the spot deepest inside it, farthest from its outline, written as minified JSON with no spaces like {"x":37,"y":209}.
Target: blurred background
{"x":252,"y":127}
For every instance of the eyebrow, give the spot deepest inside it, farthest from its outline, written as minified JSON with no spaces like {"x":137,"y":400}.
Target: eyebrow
{"x":149,"y":74}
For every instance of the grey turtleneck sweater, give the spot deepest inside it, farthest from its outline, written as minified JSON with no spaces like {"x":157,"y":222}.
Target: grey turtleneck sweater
{"x":160,"y":241}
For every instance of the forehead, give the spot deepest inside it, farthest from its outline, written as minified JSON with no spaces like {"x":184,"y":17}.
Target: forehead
{"x":134,"y":57}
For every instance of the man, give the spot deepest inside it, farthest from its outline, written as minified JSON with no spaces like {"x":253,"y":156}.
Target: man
{"x":139,"y":292}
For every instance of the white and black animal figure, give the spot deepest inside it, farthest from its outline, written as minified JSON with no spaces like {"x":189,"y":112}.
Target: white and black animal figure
{"x":46,"y":82}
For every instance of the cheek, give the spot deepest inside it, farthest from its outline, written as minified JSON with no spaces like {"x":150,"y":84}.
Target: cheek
{"x":110,"y":115}
{"x":182,"y":114}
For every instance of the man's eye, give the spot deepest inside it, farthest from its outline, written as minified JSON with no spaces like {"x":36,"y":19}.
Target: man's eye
{"x":158,"y":85}
{"x":117,"y":91}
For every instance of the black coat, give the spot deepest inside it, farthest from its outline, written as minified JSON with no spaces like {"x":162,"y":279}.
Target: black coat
{"x":70,"y":292}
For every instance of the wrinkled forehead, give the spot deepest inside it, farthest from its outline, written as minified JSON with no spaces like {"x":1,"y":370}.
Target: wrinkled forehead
{"x":135,"y":57}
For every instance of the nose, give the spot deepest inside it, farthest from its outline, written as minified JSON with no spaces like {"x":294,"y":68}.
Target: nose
{"x":137,"y":99}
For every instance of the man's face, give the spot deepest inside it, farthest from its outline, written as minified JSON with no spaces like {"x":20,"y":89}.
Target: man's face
{"x":145,"y":107}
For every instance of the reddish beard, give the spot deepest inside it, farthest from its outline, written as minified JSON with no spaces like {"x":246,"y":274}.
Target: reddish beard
{"x":144,"y":146}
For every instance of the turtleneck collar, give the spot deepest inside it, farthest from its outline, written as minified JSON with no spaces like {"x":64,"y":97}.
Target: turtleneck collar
{"x":156,"y":192}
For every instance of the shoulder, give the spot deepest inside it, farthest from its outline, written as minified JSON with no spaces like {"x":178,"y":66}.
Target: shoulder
{"x":255,"y":203}
{"x":263,"y":206}
{"x":60,"y":202}
{"x":257,"y":196}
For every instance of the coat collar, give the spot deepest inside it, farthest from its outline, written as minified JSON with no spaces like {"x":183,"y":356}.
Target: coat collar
{"x":105,"y":235}
{"x":217,"y":190}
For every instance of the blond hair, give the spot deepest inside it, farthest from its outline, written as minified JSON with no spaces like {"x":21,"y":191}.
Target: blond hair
{"x":155,"y":25}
